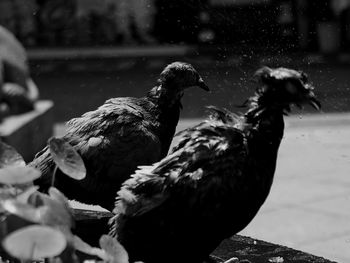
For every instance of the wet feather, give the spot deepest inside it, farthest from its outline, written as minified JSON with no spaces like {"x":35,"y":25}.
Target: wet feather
{"x":120,"y":135}
{"x":213,"y":182}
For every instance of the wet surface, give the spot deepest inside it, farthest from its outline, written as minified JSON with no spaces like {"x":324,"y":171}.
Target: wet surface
{"x":258,"y":251}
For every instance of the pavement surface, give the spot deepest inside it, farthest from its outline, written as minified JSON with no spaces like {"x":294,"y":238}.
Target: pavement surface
{"x":309,"y":204}
{"x":308,"y":208}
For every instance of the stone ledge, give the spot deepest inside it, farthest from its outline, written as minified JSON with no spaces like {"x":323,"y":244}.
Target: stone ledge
{"x":28,"y":133}
{"x":258,"y":251}
{"x":92,"y":224}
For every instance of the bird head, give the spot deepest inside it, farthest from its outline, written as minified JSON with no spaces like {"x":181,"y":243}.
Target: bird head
{"x":283,"y":87}
{"x":179,"y":76}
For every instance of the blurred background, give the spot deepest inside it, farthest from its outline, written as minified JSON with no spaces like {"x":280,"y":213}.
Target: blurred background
{"x":263,"y":24}
{"x":82,"y":52}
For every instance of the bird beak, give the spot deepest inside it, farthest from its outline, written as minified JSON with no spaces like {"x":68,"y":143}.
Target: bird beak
{"x":315,"y":103}
{"x":311,"y":97}
{"x":202,"y":85}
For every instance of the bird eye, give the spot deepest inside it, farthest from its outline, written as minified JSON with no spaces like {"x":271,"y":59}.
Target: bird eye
{"x":304,"y":77}
{"x":291,"y":88}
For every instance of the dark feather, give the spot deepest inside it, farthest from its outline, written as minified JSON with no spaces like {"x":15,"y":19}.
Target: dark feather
{"x":120,"y":135}
{"x":211,"y":185}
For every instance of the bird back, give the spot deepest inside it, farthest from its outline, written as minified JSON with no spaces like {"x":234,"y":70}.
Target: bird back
{"x":183,"y":193}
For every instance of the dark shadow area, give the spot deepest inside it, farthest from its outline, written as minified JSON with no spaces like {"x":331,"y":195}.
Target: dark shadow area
{"x":77,"y":92}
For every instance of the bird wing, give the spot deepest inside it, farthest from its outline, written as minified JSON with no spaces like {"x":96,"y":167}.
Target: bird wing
{"x":194,"y":168}
{"x":118,"y":134}
{"x":114,"y":113}
{"x":112,"y":141}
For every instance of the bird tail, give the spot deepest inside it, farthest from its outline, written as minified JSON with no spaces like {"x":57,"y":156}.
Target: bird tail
{"x":223,"y":115}
{"x":218,"y":117}
{"x":43,"y":161}
{"x":215,"y":114}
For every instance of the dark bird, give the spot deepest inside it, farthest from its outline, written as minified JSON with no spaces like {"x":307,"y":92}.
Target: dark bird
{"x":18,"y":92}
{"x":215,"y":179}
{"x":120,"y":135}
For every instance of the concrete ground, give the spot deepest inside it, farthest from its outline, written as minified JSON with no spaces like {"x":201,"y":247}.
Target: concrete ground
{"x":309,"y":205}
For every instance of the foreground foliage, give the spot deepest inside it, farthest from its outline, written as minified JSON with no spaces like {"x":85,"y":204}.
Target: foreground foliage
{"x":36,"y":226}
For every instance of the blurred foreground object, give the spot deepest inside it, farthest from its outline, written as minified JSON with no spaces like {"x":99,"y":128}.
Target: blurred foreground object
{"x":18,"y":92}
{"x":214,"y":181}
{"x":28,"y":133}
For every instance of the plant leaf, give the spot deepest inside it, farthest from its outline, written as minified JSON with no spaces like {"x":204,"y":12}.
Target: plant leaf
{"x":114,"y":249}
{"x":18,"y":174}
{"x":34,"y":242}
{"x":9,"y":156}
{"x":58,"y":196}
{"x":7,"y":193}
{"x":24,"y":195}
{"x":276,"y":259}
{"x":67,"y":158}
{"x":22,"y":210}
{"x":84,"y":247}
{"x":52,"y":212}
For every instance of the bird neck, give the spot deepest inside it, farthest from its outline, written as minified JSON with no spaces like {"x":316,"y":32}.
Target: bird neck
{"x":166,"y":111}
{"x":265,"y":129}
{"x":266,"y":125}
{"x":166,"y":97}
